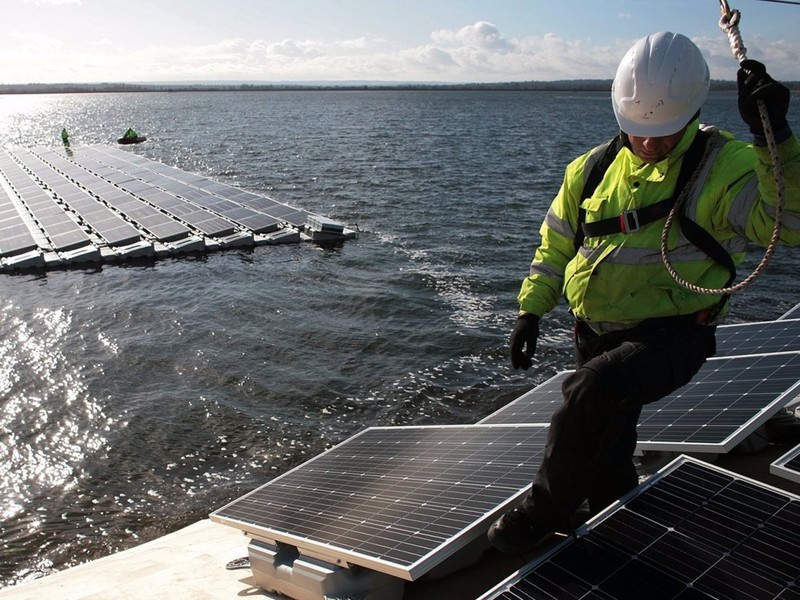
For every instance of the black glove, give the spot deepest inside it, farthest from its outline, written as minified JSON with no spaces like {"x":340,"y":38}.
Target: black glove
{"x":525,"y":333}
{"x":755,"y":84}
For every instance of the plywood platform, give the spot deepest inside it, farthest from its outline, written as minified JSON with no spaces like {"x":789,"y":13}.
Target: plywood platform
{"x":99,"y":203}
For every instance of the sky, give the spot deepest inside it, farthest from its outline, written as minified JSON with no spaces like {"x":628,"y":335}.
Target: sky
{"x":92,"y":41}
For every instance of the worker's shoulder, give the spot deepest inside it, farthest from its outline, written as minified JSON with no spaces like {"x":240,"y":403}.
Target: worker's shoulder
{"x":733,"y":155}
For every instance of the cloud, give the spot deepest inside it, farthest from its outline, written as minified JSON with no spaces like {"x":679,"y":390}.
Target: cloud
{"x":31,"y":41}
{"x":481,"y":35}
{"x":428,"y":58}
{"x":473,"y":53}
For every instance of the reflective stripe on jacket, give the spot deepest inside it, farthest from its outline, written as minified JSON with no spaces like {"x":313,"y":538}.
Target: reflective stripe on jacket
{"x":620,"y":279}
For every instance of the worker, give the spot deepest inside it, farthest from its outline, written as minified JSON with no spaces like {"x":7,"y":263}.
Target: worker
{"x":639,"y":335}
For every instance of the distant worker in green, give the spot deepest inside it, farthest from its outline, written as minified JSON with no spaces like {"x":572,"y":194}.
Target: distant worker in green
{"x":130,"y":134}
{"x":639,"y":334}
{"x":65,"y":137}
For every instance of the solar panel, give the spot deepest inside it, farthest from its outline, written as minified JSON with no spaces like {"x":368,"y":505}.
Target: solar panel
{"x":107,"y":224}
{"x":792,"y":313}
{"x":788,"y":465}
{"x":15,"y":237}
{"x":692,"y":531}
{"x":761,"y":337}
{"x":247,"y":209}
{"x":398,"y":500}
{"x":63,"y":233}
{"x":534,"y":406}
{"x":727,"y":400}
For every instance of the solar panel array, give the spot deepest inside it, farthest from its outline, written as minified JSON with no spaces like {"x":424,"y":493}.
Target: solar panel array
{"x":15,"y":236}
{"x":691,"y":531}
{"x":398,"y":500}
{"x":108,"y":224}
{"x":61,"y":230}
{"x":401,"y":500}
{"x":755,"y":373}
{"x":98,"y":203}
{"x":262,"y":214}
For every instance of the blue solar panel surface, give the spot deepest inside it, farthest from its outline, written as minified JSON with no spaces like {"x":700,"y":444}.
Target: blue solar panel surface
{"x":758,"y":338}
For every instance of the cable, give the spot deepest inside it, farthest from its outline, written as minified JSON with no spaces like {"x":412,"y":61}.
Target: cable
{"x":730,"y":24}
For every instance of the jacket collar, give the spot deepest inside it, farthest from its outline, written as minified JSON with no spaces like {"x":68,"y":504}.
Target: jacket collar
{"x":659,"y":170}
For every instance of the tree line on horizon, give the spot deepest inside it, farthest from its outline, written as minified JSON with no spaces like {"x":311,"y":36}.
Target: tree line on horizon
{"x":572,"y":85}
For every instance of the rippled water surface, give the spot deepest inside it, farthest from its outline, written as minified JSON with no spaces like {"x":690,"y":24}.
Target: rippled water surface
{"x":135,"y":399}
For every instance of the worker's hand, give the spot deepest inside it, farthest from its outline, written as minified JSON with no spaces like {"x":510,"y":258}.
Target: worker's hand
{"x":755,"y":84}
{"x":523,"y":341}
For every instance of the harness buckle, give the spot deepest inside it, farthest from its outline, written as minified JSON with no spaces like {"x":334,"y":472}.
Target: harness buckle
{"x":629,"y":221}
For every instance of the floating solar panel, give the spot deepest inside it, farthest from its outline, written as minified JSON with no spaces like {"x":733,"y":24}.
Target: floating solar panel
{"x":397,"y":500}
{"x":62,"y":231}
{"x":64,"y":206}
{"x":262,"y":214}
{"x":692,"y":531}
{"x":758,"y":338}
{"x":108,"y":225}
{"x":535,"y":406}
{"x":15,"y":236}
{"x":788,"y":465}
{"x":726,"y":401}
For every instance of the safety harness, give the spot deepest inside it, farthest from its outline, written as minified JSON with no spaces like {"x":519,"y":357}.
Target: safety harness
{"x":630,"y":221}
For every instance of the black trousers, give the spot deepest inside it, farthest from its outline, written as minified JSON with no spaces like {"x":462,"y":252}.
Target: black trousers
{"x":592,"y":436}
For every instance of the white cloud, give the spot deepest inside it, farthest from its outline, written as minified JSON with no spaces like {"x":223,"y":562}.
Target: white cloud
{"x":480,"y":35}
{"x":476,"y":52}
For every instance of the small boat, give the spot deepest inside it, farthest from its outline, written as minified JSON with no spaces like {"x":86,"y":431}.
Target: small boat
{"x":131,"y":137}
{"x":132,"y":140}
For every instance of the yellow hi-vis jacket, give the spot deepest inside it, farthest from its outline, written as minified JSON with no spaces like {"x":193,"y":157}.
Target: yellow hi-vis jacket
{"x":619,"y":280}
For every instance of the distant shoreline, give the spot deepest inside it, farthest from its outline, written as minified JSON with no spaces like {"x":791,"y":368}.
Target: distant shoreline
{"x":543,"y":86}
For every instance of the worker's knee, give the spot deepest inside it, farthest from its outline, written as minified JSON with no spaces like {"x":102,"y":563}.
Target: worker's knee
{"x":586,"y":395}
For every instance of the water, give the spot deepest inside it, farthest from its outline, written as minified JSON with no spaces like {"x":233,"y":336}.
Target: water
{"x":135,"y":399}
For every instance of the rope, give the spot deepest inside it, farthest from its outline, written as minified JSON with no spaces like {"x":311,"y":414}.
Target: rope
{"x":729,"y":23}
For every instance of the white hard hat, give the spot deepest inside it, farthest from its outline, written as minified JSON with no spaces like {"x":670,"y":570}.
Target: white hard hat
{"x":660,"y":85}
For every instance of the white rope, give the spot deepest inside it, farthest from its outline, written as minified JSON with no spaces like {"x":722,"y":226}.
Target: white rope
{"x":729,"y":23}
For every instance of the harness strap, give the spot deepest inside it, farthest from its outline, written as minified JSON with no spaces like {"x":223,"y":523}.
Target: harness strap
{"x":632,"y":220}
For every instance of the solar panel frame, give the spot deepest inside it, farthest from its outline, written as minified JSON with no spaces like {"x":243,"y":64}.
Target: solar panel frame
{"x":792,"y":313}
{"x":788,"y":465}
{"x":398,"y":500}
{"x":693,"y":530}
